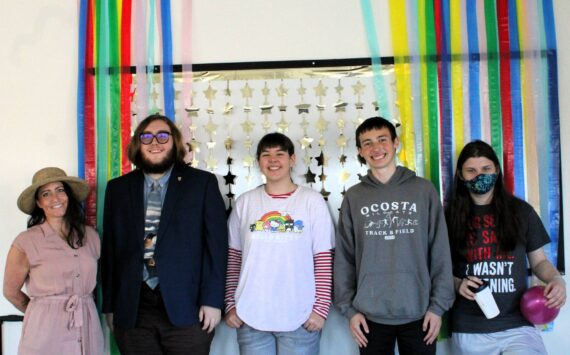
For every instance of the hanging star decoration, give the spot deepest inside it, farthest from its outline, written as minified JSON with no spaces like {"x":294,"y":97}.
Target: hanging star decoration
{"x":320,"y":159}
{"x":211,"y":163}
{"x":210,"y":93}
{"x":247,"y":126}
{"x":281,"y":90}
{"x":248,"y":161}
{"x":342,"y":159}
{"x":358,"y":88}
{"x":339,"y":88}
{"x":344,"y":176}
{"x":322,"y":176}
{"x":192,"y":111}
{"x":341,"y":141}
{"x":247,"y":143}
{"x":309,"y":176}
{"x":228,"y":144}
{"x":229,"y":178}
{"x":195,"y":145}
{"x":283,"y":125}
{"x":246,"y":91}
{"x":303,"y":108}
{"x":266,"y":109}
{"x":228,"y":107}
{"x":322,"y":125}
{"x":305,"y":142}
{"x":325,"y":194}
{"x":266,"y":124}
{"x":301,"y":90}
{"x":320,"y":89}
{"x":340,"y":106}
{"x":211,"y":127}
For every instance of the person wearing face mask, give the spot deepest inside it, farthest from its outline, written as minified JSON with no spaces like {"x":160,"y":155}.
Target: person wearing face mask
{"x":492,"y":234}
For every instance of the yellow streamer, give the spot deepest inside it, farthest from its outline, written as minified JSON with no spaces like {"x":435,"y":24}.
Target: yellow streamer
{"x":423,"y":86}
{"x":527,"y":90}
{"x":456,"y":76}
{"x":403,"y":81}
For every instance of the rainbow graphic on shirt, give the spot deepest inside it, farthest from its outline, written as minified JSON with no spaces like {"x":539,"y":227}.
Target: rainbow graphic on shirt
{"x":276,"y":221}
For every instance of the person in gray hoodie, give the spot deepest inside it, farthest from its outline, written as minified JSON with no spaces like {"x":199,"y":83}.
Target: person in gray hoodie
{"x":392,"y":270}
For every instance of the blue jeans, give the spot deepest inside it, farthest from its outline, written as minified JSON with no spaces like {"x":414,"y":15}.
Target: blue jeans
{"x":296,"y":342}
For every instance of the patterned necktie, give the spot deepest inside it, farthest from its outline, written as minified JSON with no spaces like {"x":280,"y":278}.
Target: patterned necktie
{"x":152,"y":219}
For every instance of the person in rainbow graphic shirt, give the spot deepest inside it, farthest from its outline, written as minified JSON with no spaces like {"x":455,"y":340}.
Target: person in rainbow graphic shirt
{"x":281,"y":238}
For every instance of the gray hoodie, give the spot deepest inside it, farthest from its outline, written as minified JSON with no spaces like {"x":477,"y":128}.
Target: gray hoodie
{"x":392,"y":260}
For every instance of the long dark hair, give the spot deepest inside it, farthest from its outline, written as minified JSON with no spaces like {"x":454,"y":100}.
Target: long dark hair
{"x":134,"y":147}
{"x":459,"y":206}
{"x":74,"y":218}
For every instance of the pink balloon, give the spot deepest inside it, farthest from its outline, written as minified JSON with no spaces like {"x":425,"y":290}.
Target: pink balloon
{"x":533,"y":306}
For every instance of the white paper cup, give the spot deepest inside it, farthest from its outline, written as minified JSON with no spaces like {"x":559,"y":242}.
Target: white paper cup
{"x":486,"y":301}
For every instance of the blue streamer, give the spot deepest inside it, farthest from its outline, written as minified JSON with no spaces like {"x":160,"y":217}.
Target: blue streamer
{"x":167,"y":74}
{"x":554,"y":114}
{"x":516,"y":103}
{"x":81,"y":88}
{"x":474,"y":58}
{"x":378,"y":79}
{"x":446,"y":104}
{"x":415,"y":74}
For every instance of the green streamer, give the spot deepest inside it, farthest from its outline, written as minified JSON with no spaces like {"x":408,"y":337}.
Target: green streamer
{"x":493,"y":77}
{"x":102,"y":82}
{"x":432,"y":92}
{"x":114,"y":92}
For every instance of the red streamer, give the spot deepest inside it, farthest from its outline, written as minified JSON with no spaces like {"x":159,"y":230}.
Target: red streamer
{"x":506,"y":106}
{"x":89,"y":116}
{"x":126,"y":80}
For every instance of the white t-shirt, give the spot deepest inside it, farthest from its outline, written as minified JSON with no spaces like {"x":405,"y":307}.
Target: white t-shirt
{"x":278,"y":238}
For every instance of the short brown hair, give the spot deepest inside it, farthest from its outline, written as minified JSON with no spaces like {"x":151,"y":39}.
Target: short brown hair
{"x":134,"y":151}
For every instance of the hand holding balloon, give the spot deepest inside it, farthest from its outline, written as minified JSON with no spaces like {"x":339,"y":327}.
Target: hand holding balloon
{"x":534,"y":308}
{"x":555,"y":292}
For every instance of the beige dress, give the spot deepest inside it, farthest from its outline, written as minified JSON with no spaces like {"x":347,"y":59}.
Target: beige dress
{"x":61,"y":317}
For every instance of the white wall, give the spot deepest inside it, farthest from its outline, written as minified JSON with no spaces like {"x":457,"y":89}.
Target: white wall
{"x":38,"y":91}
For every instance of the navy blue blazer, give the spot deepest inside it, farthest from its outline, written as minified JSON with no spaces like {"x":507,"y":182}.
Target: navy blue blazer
{"x":191,"y":248}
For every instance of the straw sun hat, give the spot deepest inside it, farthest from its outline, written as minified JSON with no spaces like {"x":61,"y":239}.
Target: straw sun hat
{"x":27,"y":199}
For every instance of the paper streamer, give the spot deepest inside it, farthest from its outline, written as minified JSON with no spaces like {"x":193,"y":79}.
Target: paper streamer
{"x":403,"y":81}
{"x":516,"y":103}
{"x":378,"y":79}
{"x":167,"y":69}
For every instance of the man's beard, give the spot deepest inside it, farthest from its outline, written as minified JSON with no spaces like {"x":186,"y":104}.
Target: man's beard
{"x":160,"y":167}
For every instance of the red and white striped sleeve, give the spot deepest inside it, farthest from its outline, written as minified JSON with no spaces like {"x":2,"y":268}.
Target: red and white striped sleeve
{"x":232,"y":277}
{"x":323,"y":262}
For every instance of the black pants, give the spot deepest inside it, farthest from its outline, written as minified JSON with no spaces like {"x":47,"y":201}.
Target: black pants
{"x":154,"y":334}
{"x":382,"y":339}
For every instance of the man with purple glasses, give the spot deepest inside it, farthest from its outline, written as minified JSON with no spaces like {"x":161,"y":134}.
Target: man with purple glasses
{"x":164,"y":248}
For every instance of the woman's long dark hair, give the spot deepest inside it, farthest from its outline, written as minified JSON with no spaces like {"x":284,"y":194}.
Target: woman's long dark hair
{"x":74,"y":218}
{"x":459,"y":206}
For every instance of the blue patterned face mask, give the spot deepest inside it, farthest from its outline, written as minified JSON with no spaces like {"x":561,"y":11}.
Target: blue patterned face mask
{"x":481,"y":184}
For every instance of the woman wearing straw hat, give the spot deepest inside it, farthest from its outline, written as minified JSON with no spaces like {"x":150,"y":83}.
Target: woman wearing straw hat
{"x":57,"y":260}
